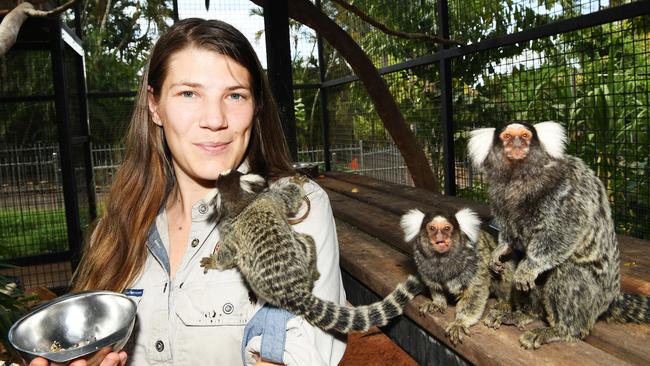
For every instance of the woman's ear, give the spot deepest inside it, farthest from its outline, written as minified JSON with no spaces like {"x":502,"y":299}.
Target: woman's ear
{"x":152,"y":103}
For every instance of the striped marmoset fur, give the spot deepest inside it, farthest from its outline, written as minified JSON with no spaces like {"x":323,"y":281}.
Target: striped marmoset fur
{"x":554,"y":210}
{"x":452,"y":255}
{"x":278,"y":263}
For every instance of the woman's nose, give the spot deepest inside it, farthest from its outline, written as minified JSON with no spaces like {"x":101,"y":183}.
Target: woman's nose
{"x":213,"y":116}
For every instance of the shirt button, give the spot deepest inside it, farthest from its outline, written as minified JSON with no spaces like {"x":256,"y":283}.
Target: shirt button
{"x":228,"y":308}
{"x":195,"y":242}
{"x":160,"y":346}
{"x":203,"y":208}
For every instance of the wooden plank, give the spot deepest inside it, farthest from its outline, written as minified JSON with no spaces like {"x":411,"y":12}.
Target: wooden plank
{"x":626,"y":341}
{"x":381,"y":268}
{"x":635,"y":264}
{"x":396,"y":199}
{"x":406,"y":192}
{"x":372,"y":220}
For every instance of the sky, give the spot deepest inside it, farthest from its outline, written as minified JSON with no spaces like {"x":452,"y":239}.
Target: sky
{"x":238,"y":14}
{"x":235,"y":12}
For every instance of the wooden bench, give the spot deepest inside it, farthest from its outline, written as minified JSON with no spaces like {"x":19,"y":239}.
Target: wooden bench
{"x":374,"y":259}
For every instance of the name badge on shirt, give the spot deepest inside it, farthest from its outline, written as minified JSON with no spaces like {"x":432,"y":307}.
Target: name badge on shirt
{"x":134,"y":292}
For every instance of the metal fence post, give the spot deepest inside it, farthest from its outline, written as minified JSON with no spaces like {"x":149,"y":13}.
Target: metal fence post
{"x":324,"y":116}
{"x":446,"y":102}
{"x":278,"y":59}
{"x":362,"y":164}
{"x":61,"y":93}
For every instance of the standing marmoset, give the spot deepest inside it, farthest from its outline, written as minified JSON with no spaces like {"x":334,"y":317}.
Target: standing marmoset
{"x":452,"y":255}
{"x":552,"y":208}
{"x":278,"y":263}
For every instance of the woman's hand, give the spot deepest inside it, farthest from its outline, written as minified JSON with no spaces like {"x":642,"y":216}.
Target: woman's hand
{"x":104,"y":357}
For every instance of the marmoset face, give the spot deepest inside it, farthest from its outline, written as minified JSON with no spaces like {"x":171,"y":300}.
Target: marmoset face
{"x":516,"y":141}
{"x":439,"y":231}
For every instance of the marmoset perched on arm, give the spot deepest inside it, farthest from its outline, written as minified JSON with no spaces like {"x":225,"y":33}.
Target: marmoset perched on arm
{"x":551,"y":207}
{"x":278,"y":263}
{"x":452,"y":254}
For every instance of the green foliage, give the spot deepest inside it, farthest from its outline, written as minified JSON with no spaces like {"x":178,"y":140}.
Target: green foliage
{"x":27,"y":233}
{"x":594,"y":82}
{"x":13,"y":305}
{"x":117,"y":40}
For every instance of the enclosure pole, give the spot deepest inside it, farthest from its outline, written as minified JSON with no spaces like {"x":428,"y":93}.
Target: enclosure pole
{"x":278,"y":59}
{"x":446,"y":103}
{"x":61,"y":97}
{"x":84,"y":123}
{"x":77,"y":20}
{"x":324,"y":116}
{"x":175,"y":10}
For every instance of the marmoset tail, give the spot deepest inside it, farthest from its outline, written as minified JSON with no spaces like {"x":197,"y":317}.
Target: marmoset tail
{"x":331,"y":316}
{"x":629,"y":308}
{"x":278,"y":263}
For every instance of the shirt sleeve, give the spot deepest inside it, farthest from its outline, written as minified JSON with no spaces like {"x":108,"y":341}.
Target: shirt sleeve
{"x":306,"y":344}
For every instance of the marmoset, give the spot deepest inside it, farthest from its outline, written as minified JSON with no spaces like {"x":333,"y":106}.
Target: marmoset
{"x":278,"y":263}
{"x":452,"y":254}
{"x":552,"y":209}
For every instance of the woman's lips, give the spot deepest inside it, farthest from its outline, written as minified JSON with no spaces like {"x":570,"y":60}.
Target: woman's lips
{"x":212,"y":147}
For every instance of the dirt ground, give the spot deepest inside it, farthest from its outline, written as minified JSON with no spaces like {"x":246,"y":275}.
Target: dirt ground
{"x":374,"y":349}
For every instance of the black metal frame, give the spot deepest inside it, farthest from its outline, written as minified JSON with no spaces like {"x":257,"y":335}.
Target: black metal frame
{"x":53,"y":35}
{"x":278,"y":59}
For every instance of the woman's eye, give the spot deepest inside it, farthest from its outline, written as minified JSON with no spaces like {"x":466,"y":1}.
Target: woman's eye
{"x":236,"y":96}
{"x":187,"y":94}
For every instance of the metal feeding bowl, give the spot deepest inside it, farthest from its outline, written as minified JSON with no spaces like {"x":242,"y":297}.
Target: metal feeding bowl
{"x":74,"y":325}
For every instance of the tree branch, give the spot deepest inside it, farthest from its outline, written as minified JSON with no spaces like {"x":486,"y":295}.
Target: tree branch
{"x":41,"y":13}
{"x":102,"y":24}
{"x":12,"y":22}
{"x":413,"y":36}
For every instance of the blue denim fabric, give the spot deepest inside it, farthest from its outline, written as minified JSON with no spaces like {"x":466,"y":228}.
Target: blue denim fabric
{"x":157,"y":248}
{"x":271,"y":323}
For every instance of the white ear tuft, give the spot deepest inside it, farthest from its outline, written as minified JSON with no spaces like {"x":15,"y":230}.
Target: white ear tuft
{"x":218,"y":202}
{"x":479,"y":145}
{"x":248,"y":181}
{"x":411,"y":223}
{"x":253,"y":178}
{"x":470,"y":223}
{"x":552,"y":137}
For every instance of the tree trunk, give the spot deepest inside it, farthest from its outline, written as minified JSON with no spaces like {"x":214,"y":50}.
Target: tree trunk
{"x":309,"y":15}
{"x":11,"y":24}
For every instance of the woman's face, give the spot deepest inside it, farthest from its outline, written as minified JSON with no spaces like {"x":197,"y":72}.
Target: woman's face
{"x":206,"y":109}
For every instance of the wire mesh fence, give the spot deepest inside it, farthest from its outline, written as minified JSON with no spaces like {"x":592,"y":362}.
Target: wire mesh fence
{"x":593,"y":80}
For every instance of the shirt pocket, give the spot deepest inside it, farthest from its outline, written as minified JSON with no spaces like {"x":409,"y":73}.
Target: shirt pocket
{"x":214,"y":303}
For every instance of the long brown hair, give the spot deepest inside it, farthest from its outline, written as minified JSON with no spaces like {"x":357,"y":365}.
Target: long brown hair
{"x":115,"y":251}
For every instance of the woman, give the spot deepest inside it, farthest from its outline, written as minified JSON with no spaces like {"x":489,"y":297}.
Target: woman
{"x":204,"y":106}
